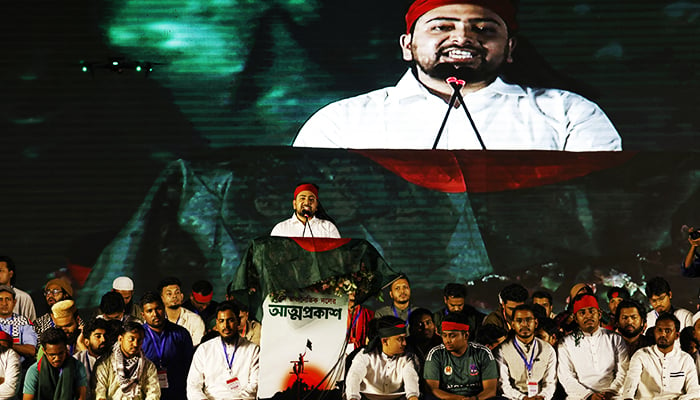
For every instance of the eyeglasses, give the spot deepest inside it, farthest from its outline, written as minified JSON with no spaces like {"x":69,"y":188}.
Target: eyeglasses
{"x":53,"y":292}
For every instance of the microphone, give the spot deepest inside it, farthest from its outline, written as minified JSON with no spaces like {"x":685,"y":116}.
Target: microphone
{"x":457,"y":85}
{"x":306,"y":214}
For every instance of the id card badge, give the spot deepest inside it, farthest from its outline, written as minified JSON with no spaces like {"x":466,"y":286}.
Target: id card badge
{"x":163,"y":378}
{"x":532,"y":389}
{"x":233,"y":384}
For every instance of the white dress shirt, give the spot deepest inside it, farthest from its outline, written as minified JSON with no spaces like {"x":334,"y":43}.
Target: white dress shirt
{"x":597,"y":363}
{"x":684,"y":316}
{"x":193,"y":323}
{"x":9,"y":371}
{"x":211,"y":378}
{"x":377,"y":373}
{"x":655,"y":375}
{"x":508,"y":117}
{"x":319,"y":228}
{"x":513,"y":374}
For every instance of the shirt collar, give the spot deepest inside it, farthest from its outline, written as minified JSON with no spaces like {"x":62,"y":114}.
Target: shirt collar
{"x":408,"y":86}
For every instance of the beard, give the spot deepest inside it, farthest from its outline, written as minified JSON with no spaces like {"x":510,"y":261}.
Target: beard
{"x":477,"y":70}
{"x":665,"y":345}
{"x":630,"y":334}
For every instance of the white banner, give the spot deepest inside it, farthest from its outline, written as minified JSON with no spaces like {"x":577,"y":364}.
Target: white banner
{"x":302,"y":339}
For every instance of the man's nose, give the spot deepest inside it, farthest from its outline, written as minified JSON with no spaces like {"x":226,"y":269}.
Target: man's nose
{"x":463,"y":35}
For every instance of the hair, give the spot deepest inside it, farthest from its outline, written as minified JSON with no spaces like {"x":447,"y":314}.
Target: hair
{"x":416,"y":316}
{"x":457,"y":317}
{"x":489,"y":333}
{"x":539,"y":311}
{"x":400,"y":276}
{"x":542,"y":294}
{"x":202,"y":287}
{"x":133,"y":327}
{"x":513,"y":292}
{"x":171,"y":280}
{"x":667,"y":316}
{"x":10,"y":267}
{"x":242,"y":307}
{"x":629,"y":303}
{"x":525,"y":307}
{"x":657,"y":286}
{"x":111,"y":303}
{"x":686,"y":338}
{"x":54,"y":336}
{"x":457,"y":290}
{"x":151,"y":297}
{"x":226,"y":306}
{"x":95,"y":324}
{"x":550,"y":326}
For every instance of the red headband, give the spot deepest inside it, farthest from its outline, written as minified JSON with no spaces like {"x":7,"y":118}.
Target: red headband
{"x":306,"y":186}
{"x":454,"y":326}
{"x":615,"y":295}
{"x":200,"y":298}
{"x":504,"y":9}
{"x":584,"y":302}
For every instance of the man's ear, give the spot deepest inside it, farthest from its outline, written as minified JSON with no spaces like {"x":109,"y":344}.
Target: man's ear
{"x":405,"y":44}
{"x":512,"y":43}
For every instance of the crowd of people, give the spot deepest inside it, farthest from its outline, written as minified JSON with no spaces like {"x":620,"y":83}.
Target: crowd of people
{"x":165,"y":347}
{"x":160,"y":346}
{"x":523,"y":350}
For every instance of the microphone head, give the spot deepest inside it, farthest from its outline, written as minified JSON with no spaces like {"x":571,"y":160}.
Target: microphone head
{"x":455,"y":83}
{"x":306,"y":213}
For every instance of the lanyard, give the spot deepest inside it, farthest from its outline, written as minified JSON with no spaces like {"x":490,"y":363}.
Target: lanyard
{"x":396,"y":314}
{"x":158,"y":344}
{"x":521,"y":353}
{"x":230,"y":362}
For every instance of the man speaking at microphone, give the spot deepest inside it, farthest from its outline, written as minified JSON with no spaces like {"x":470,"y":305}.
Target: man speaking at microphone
{"x":305,"y":222}
{"x":470,"y":41}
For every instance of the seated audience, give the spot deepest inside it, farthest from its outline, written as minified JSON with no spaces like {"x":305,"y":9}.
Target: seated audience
{"x":383,"y":370}
{"x":55,"y":290}
{"x":171,"y":293}
{"x":112,"y":307}
{"x":662,"y":371}
{"x":528,"y":365}
{"x":631,"y":325}
{"x":423,"y":334}
{"x":659,"y":293}
{"x":95,"y":342}
{"x":491,"y":336}
{"x":548,"y":330}
{"x":615,"y":296}
{"x":9,"y":368}
{"x":400,"y":294}
{"x":592,"y":360}
{"x":226,"y":367}
{"x":454,"y":297}
{"x":24,"y":339}
{"x":125,"y":287}
{"x":127,"y":373}
{"x":510,"y":297}
{"x":544,"y":299}
{"x":65,"y":316}
{"x":168,"y":346}
{"x":459,"y":368}
{"x":358,"y":318}
{"x":24,"y":305}
{"x":201,"y":303}
{"x":56,"y":375}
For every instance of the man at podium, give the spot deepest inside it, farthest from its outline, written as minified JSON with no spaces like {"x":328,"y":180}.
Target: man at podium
{"x":306,"y":220}
{"x":459,"y":52}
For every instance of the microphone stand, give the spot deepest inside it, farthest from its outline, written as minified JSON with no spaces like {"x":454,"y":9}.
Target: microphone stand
{"x":457,"y":85}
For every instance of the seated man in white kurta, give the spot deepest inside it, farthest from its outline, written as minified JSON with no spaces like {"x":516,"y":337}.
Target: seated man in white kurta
{"x":225,"y":368}
{"x":383,"y":370}
{"x":305,"y":221}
